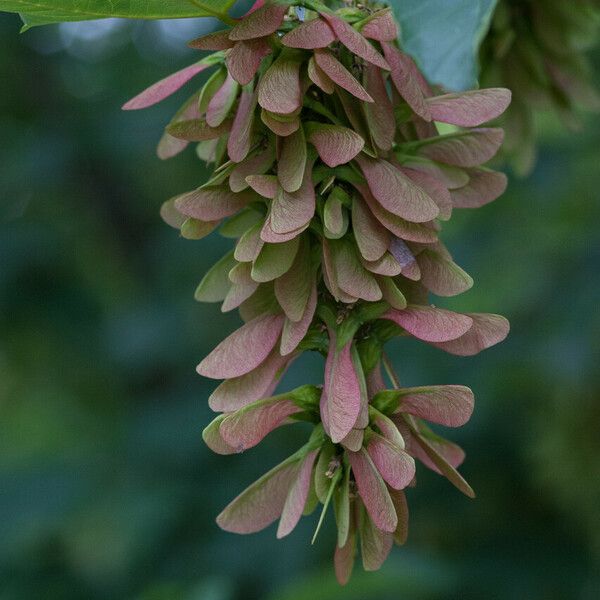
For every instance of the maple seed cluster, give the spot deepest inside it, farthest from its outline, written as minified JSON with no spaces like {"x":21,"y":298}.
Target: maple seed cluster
{"x":331,"y":174}
{"x":537,"y":48}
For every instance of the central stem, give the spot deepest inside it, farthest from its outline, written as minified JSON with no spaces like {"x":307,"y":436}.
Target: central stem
{"x":389,"y":369}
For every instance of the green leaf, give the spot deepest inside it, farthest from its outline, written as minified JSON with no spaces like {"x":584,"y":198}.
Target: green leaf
{"x":43,"y":12}
{"x":444,"y":37}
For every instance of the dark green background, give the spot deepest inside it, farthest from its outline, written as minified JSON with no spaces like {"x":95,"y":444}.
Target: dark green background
{"x":106,"y":489}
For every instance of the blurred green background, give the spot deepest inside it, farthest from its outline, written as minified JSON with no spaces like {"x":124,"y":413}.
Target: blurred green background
{"x":106,"y":489}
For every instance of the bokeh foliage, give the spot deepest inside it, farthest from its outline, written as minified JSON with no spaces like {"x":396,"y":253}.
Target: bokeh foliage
{"x":105,"y":486}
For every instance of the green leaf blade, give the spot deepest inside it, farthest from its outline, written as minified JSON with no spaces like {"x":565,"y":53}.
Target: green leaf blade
{"x":444,"y":37}
{"x":44,"y":12}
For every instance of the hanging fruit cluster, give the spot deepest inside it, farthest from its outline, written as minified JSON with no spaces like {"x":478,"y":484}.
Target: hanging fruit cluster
{"x":334,"y":180}
{"x":537,"y":49}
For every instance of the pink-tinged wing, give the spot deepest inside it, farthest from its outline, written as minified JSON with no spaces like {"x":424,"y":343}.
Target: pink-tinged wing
{"x":578,"y":89}
{"x":240,"y":139}
{"x":170,"y":215}
{"x":468,"y":149}
{"x":198,"y":130}
{"x":387,"y":266}
{"x":293,"y":332}
{"x":215,"y":41}
{"x":261,"y":503}
{"x":441,"y":463}
{"x":279,"y":127}
{"x":354,"y":440}
{"x":469,"y":109}
{"x":373,"y":491}
{"x":265,"y":185}
{"x":335,"y":144}
{"x":395,"y":465}
{"x":329,"y":275}
{"x":362,"y":421}
{"x":350,"y":275}
{"x":435,"y":189}
{"x":170,"y":146}
{"x":343,"y":558}
{"x":422,"y":129}
{"x":291,"y":212}
{"x":293,"y":289}
{"x":216,"y":283}
{"x":396,"y":192}
{"x":165,"y":87}
{"x":431,"y":324}
{"x":355,"y":114}
{"x":413,"y":232}
{"x":212,"y":438}
{"x":258,"y":4}
{"x":244,"y":350}
{"x":245,"y":58}
{"x":380,"y":114}
{"x":274,"y":260}
{"x":249,"y":245}
{"x":296,"y":498}
{"x":406,"y":259}
{"x":268,"y":235}
{"x":372,"y":238}
{"x":309,"y":35}
{"x":406,"y":78}
{"x":240,"y":273}
{"x":256,"y":164}
{"x":238,"y":293}
{"x":212,"y":203}
{"x":487,"y":330}
{"x":341,"y":398}
{"x":335,"y":216}
{"x":334,"y":69}
{"x":483,"y":187}
{"x":210,"y":151}
{"x":375,"y":381}
{"x":355,"y":41}
{"x":342,"y":508}
{"x":387,"y":427}
{"x":222,"y":102}
{"x":451,"y":453}
{"x":381,"y":26}
{"x":451,"y":177}
{"x":292,"y":163}
{"x":450,"y":405}
{"x":280,"y":91}
{"x":238,"y":392}
{"x":392,"y":294}
{"x":319,"y":77}
{"x":375,"y":544}
{"x":259,"y":23}
{"x":441,"y":275}
{"x":248,"y":426}
{"x":399,"y":500}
